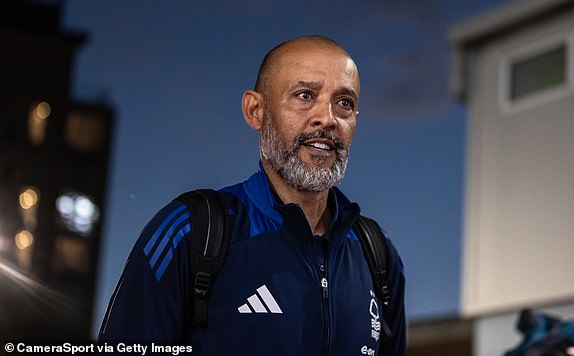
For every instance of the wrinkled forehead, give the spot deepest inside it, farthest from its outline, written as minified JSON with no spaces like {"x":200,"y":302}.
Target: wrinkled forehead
{"x":309,"y":61}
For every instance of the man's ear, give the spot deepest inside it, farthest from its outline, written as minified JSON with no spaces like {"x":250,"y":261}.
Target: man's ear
{"x":253,"y":107}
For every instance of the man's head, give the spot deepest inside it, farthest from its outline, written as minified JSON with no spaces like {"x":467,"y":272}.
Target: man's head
{"x":271,"y":59}
{"x":305,"y":108}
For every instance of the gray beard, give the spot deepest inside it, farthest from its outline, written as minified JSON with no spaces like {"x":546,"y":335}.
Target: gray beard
{"x":286,"y":162}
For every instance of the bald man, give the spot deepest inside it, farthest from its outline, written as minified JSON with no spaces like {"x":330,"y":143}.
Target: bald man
{"x":295,"y":280}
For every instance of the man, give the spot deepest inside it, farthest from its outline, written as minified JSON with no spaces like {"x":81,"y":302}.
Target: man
{"x":295,"y":280}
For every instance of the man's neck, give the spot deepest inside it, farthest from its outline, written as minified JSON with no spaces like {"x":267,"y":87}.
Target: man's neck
{"x":314,"y":204}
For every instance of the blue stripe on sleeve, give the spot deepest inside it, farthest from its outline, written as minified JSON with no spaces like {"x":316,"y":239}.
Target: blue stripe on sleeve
{"x":169,"y":255}
{"x":148,"y":247}
{"x":165,"y":240}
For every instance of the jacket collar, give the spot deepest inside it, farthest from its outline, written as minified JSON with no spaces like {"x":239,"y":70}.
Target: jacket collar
{"x":259,"y":191}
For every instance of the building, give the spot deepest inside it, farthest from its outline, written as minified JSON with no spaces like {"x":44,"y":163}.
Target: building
{"x":54,"y":154}
{"x":513,"y":67}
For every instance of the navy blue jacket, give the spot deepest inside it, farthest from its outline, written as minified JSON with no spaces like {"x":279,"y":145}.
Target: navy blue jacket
{"x":281,"y":290}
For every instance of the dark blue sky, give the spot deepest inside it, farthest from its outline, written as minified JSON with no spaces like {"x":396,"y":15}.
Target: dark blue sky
{"x":175,"y":71}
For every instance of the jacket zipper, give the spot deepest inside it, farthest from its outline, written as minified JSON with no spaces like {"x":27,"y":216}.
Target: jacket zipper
{"x":324,"y":283}
{"x":326,"y":314}
{"x":325,"y":299}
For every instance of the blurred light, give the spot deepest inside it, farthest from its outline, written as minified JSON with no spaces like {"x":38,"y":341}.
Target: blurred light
{"x":37,"y":116}
{"x":24,"y":239}
{"x":65,"y":205}
{"x":78,"y":212}
{"x":42,"y":111}
{"x":85,"y":209}
{"x":28,"y":198}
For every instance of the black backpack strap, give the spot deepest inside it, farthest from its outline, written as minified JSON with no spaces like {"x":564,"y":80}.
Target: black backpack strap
{"x":208,"y":246}
{"x":374,"y":244}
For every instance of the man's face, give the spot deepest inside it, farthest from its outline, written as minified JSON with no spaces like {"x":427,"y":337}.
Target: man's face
{"x":310,"y":116}
{"x":285,"y":160}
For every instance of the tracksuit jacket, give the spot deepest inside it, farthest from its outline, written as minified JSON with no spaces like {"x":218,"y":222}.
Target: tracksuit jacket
{"x":281,"y":291}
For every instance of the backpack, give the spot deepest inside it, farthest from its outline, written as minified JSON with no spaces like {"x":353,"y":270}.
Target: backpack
{"x":544,"y":335}
{"x":210,"y":235}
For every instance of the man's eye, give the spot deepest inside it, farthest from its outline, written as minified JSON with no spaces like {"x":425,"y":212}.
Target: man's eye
{"x":347,"y":103}
{"x":305,"y":95}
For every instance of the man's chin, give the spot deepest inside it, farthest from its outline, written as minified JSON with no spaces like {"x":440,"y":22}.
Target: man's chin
{"x":318,"y":162}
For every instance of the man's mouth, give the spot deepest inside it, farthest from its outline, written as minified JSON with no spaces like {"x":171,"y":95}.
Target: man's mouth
{"x":320,"y":145}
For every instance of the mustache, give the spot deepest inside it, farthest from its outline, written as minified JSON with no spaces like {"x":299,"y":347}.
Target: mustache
{"x":322,"y":134}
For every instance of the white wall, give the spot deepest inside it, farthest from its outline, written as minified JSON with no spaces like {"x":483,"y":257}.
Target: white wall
{"x":519,"y":213}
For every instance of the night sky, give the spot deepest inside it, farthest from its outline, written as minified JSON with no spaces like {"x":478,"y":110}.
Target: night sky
{"x":174,"y":72}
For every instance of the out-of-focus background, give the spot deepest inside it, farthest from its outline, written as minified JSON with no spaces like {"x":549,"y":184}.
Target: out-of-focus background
{"x":464,"y":150}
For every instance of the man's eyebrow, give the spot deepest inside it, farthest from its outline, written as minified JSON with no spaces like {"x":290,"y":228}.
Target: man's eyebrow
{"x":319,"y":85}
{"x":348,"y":91}
{"x":306,"y":84}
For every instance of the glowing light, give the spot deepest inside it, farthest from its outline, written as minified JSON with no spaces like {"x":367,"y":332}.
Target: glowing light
{"x":28,"y":198}
{"x":24,"y":239}
{"x":42,"y":111}
{"x":84,"y":207}
{"x":65,"y":205}
{"x":37,"y":120}
{"x":79,"y":213}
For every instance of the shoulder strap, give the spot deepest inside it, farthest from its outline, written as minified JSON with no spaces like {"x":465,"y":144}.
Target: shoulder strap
{"x":208,"y":246}
{"x":373,"y":242}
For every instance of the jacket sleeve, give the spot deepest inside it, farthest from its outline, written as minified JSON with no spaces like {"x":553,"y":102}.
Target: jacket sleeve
{"x":395,"y":313}
{"x":149,"y":302}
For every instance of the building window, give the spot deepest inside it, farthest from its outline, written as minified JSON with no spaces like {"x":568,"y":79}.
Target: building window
{"x":538,"y":72}
{"x":85,"y":131}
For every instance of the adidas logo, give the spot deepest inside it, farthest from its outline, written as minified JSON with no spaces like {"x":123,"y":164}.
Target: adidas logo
{"x":261,"y":302}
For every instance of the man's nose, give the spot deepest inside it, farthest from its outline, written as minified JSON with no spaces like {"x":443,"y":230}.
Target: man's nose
{"x":323,"y":116}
